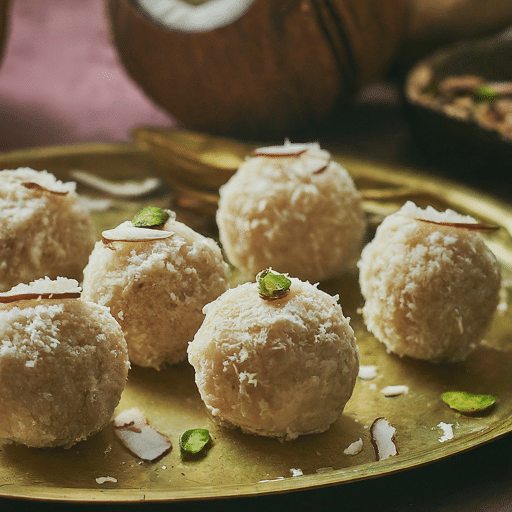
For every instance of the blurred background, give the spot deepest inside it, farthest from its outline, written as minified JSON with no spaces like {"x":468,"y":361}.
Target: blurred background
{"x":61,"y":81}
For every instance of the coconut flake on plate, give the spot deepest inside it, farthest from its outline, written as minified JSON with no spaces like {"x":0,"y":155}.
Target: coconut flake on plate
{"x":367,"y":372}
{"x":128,"y":188}
{"x":447,"y":429}
{"x":135,"y":432}
{"x":395,"y":390}
{"x":354,"y":448}
{"x":103,"y":479}
{"x":383,"y":439}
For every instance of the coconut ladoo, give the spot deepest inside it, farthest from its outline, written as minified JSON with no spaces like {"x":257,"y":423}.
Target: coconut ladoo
{"x":63,"y":364}
{"x":294,"y":209}
{"x":155,"y":274}
{"x":430,"y":284}
{"x":275,"y":358}
{"x":45,"y":230}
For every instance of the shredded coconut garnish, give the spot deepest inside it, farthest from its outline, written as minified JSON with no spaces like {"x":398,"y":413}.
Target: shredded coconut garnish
{"x":135,"y":432}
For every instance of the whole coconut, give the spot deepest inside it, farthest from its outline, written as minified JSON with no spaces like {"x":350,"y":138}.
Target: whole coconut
{"x":262,"y":68}
{"x":278,"y":67}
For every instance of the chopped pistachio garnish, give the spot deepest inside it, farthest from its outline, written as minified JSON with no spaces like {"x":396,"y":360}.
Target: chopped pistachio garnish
{"x":194,"y":441}
{"x":150,"y":217}
{"x":467,"y":403}
{"x":485,"y":93}
{"x":272,"y":285}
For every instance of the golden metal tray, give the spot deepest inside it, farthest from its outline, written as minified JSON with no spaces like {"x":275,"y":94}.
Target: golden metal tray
{"x":101,"y":470}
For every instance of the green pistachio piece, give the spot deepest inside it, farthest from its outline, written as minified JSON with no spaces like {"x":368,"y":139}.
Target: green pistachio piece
{"x":485,"y":93}
{"x":468,"y":403}
{"x":150,"y":217}
{"x":194,"y":440}
{"x":272,"y":285}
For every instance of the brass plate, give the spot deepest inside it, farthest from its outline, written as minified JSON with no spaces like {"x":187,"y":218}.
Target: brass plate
{"x":245,"y":465}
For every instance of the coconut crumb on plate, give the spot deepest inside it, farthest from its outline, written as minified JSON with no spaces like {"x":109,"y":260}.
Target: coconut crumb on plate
{"x":367,"y":372}
{"x":395,"y":390}
{"x":354,"y":448}
{"x":447,"y":429}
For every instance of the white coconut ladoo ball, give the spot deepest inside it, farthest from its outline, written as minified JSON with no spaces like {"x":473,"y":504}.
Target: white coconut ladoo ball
{"x":156,"y":282}
{"x":277,"y":368}
{"x":294,"y":209}
{"x":45,"y":230}
{"x":430,"y":284}
{"x":63,"y":364}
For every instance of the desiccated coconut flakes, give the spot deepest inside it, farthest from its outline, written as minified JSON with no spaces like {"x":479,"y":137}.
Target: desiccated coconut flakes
{"x":102,"y":479}
{"x":367,"y":372}
{"x":383,"y":439}
{"x":447,"y":429}
{"x":354,"y":448}
{"x":395,"y":390}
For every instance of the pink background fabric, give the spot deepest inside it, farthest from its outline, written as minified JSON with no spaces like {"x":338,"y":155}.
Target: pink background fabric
{"x":61,"y":80}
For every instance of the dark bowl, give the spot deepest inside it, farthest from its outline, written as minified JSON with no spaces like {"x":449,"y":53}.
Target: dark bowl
{"x":447,"y":137}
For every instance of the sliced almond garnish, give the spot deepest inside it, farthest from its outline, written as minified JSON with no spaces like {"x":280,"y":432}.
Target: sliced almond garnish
{"x":383,"y":439}
{"x":143,"y":440}
{"x":44,"y":288}
{"x":318,"y":164}
{"x":127,"y":232}
{"x":474,"y":226}
{"x":4,"y":299}
{"x":289,"y":149}
{"x":35,"y":186}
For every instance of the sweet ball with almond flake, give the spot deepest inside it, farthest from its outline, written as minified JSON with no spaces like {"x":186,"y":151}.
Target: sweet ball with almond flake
{"x":156,"y":280}
{"x":63,"y":364}
{"x":292,"y":208}
{"x":430,"y":283}
{"x":45,"y":231}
